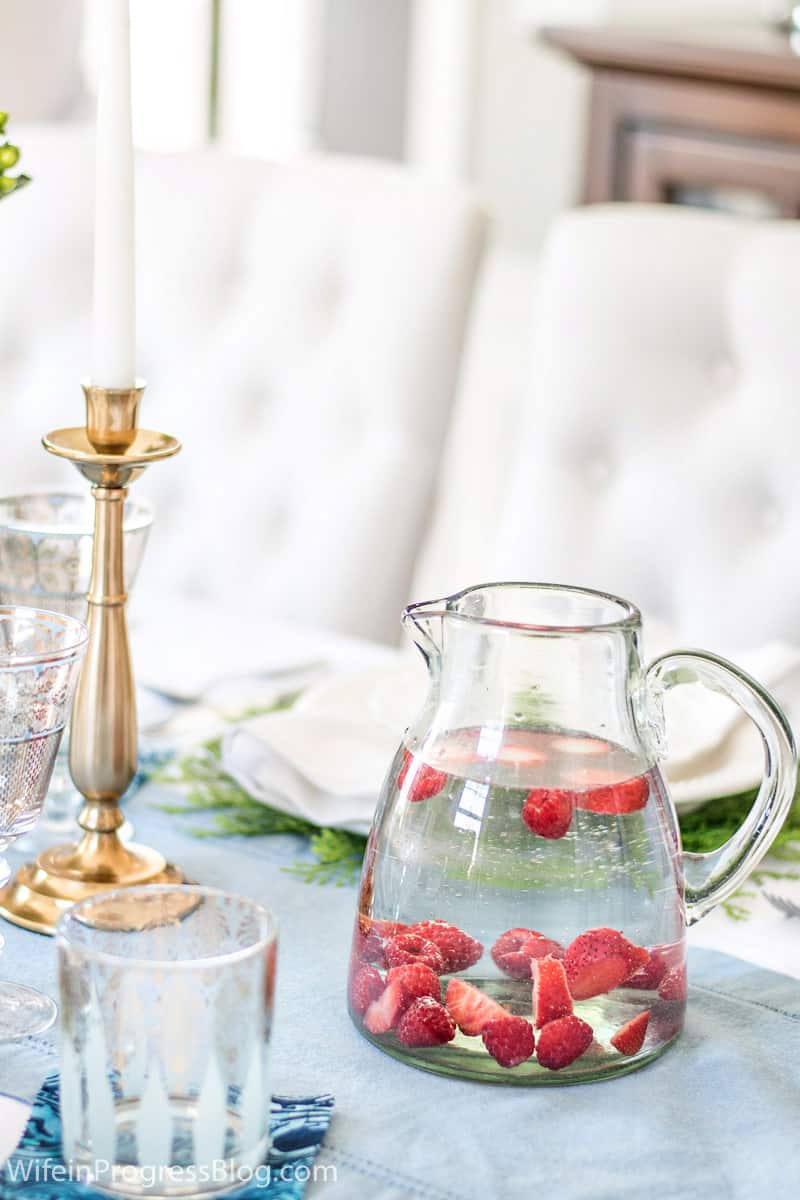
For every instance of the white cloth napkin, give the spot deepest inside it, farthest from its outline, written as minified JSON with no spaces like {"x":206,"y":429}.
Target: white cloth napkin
{"x":325,"y":759}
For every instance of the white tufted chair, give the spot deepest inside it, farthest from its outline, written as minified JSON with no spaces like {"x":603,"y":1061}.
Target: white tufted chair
{"x":657,"y":452}
{"x":301,"y":329}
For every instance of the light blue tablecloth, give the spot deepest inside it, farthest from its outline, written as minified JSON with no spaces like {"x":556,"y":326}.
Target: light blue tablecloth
{"x":717,"y":1117}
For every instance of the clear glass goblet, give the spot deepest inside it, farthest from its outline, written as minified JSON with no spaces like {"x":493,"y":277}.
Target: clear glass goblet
{"x":45,"y":562}
{"x":40,"y":653}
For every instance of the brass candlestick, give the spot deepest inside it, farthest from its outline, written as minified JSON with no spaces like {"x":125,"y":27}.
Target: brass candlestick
{"x":111,"y":451}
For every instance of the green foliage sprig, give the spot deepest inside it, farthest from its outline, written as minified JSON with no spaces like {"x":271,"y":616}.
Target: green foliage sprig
{"x":9,"y":157}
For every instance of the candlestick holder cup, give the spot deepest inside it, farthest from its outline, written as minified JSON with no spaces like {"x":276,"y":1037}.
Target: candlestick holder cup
{"x":110,"y":452}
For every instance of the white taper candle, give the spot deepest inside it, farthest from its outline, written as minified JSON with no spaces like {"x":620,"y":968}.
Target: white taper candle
{"x":114,"y":332}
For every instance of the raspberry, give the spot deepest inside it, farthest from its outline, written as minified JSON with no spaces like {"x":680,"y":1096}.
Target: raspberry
{"x":383,"y":1014}
{"x":366,"y":985}
{"x":416,"y":980}
{"x":470,"y":1008}
{"x":409,"y":948}
{"x":648,"y":977}
{"x":426,"y":780}
{"x":617,"y":798}
{"x":561,"y":1042}
{"x":600,"y":960}
{"x":548,"y":812}
{"x":457,"y":948}
{"x":551,"y":994}
{"x":673,"y":985}
{"x":509,"y":1040}
{"x":426,"y":1023}
{"x":514,"y":950}
{"x":373,"y":936}
{"x":630,"y":1038}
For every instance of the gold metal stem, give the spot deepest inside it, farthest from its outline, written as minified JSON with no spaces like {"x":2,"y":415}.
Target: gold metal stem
{"x":111,"y":451}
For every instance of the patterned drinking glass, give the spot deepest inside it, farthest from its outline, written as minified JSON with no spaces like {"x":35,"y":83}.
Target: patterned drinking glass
{"x":45,"y":561}
{"x":40,"y":653}
{"x":166,"y":1011}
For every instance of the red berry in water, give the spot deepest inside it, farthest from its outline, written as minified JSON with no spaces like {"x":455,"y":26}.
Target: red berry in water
{"x":561,"y":1042}
{"x":674,"y":984}
{"x":383,"y":1014}
{"x":457,"y":948}
{"x":551,"y":994}
{"x":548,"y":812}
{"x":426,"y":1023}
{"x":373,"y":936}
{"x":409,"y":948}
{"x":648,"y":977}
{"x":509,"y":1040}
{"x":617,"y":798}
{"x":426,"y":781}
{"x":630,"y":1038}
{"x":600,"y":960}
{"x":515,"y":949}
{"x":417,"y":980}
{"x":366,"y":985}
{"x":470,"y":1008}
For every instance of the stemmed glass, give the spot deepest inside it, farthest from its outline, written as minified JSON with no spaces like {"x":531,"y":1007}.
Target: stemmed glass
{"x":40,"y":653}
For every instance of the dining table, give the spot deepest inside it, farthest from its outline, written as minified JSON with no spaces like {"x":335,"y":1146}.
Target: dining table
{"x":712,"y":1117}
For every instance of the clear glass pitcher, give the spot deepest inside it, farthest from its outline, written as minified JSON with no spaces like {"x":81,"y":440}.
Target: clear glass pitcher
{"x":524,"y":895}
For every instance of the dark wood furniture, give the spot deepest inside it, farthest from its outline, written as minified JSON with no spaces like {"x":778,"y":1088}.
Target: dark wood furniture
{"x":682,"y":115}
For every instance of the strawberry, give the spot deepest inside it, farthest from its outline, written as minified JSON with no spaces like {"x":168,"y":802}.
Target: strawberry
{"x":509,"y":1040}
{"x":630,"y":1038}
{"x":470,"y":1008}
{"x":417,"y":980}
{"x":458,"y":949}
{"x":373,"y":936}
{"x":600,"y":960}
{"x":426,"y":781}
{"x":562,"y":1041}
{"x":514,"y":950}
{"x":648,"y":977}
{"x":366,"y":985}
{"x":517,"y":750}
{"x":551,"y":994}
{"x":580,"y":746}
{"x":548,"y":812}
{"x":617,"y":798}
{"x":383,"y":1013}
{"x":426,"y":1023}
{"x":409,"y":948}
{"x":673,"y":985}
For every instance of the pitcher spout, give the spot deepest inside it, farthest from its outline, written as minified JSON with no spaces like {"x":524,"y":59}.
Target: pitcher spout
{"x":424,"y":623}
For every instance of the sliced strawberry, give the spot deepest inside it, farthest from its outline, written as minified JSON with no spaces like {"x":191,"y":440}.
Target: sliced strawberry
{"x":417,"y":980}
{"x":630,"y":1038}
{"x":674,"y":984}
{"x":514,"y":950}
{"x":366,"y":985}
{"x":384,"y":1013}
{"x":518,"y":750}
{"x":648,"y":977}
{"x":616,"y":799}
{"x":457,"y":948}
{"x":561,"y":1042}
{"x":373,"y":936}
{"x":509,"y":1040}
{"x":470,"y":1008}
{"x":551,"y":995}
{"x":579,"y":746}
{"x":426,"y":781}
{"x":600,"y":960}
{"x":426,"y":1023}
{"x":548,"y":812}
{"x":409,"y":948}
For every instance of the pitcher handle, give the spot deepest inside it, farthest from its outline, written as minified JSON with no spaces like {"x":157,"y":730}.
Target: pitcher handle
{"x":711,"y":878}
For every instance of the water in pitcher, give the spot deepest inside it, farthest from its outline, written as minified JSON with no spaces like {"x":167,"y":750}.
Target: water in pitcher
{"x":521,"y":910}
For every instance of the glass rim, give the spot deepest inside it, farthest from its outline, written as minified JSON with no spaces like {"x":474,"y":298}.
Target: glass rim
{"x":267,"y":917}
{"x":630,"y":617}
{"x":62,"y":654}
{"x":142,"y":513}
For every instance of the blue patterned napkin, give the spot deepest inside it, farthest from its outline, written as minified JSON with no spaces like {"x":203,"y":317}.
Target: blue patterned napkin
{"x":36,"y":1169}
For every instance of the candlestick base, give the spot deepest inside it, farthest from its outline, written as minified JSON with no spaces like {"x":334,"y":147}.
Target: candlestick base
{"x":110,"y":452}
